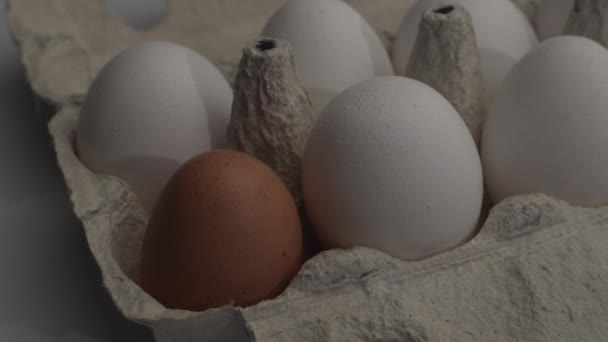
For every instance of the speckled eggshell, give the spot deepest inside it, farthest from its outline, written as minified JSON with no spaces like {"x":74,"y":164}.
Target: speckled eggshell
{"x":333,"y":46}
{"x":547,"y":129}
{"x":391,"y":165}
{"x":504,"y":35}
{"x":551,"y":17}
{"x":151,"y":108}
{"x":224,"y":231}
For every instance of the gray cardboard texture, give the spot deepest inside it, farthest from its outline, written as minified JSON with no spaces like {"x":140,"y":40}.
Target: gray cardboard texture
{"x":456,"y":76}
{"x":274,"y":130}
{"x":537,"y":271}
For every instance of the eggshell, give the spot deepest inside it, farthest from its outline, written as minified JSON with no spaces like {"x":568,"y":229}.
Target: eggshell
{"x":551,"y":17}
{"x":151,"y":108}
{"x":504,"y":35}
{"x":225,"y":230}
{"x":547,"y":130}
{"x":391,"y":165}
{"x":334,"y":47}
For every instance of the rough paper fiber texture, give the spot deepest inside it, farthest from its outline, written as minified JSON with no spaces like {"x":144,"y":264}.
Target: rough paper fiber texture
{"x":457,"y":75}
{"x":589,"y":18}
{"x":538,"y":271}
{"x":271,"y":114}
{"x":65,"y":42}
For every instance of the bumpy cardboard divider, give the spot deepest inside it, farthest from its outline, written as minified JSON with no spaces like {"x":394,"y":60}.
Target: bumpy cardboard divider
{"x":537,"y":271}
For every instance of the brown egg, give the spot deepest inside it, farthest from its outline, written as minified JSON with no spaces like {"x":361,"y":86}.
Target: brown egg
{"x":225,"y":230}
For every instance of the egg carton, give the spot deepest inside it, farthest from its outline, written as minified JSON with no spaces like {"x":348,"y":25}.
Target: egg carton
{"x":537,"y":271}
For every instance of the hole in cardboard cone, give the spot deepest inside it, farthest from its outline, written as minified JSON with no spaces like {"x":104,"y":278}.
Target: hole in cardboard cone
{"x":444,"y":9}
{"x":265,"y":45}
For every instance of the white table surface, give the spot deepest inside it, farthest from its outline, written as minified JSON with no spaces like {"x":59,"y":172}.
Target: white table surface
{"x":50,"y":286}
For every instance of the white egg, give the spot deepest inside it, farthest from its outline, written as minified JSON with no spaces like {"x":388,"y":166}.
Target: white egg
{"x":151,"y":108}
{"x":547,"y":129}
{"x":333,"y":46}
{"x":391,"y":165}
{"x":503,"y":33}
{"x":551,"y":17}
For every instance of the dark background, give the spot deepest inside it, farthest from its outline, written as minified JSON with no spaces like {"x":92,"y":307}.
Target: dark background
{"x":50,"y":286}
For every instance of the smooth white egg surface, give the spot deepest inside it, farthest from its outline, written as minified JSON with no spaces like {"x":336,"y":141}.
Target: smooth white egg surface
{"x":551,"y":17}
{"x":333,"y":46}
{"x":151,"y":108}
{"x":547,"y":129}
{"x":503,"y":33}
{"x":391,"y":165}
